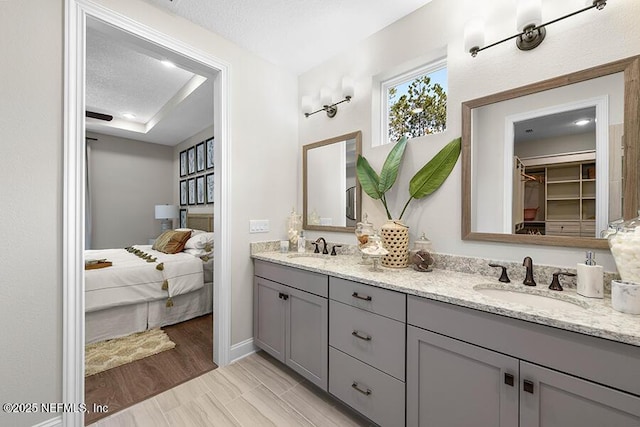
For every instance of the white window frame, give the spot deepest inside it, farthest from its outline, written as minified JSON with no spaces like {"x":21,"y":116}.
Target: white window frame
{"x":381,"y":114}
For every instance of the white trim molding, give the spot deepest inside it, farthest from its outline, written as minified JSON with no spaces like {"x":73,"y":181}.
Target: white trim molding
{"x":243,"y":349}
{"x":76,"y":13}
{"x":53,"y":422}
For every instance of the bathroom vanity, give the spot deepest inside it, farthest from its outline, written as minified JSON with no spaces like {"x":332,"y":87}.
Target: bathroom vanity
{"x":432,"y":349}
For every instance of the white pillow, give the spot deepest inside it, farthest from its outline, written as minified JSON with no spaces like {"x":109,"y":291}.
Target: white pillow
{"x":198,"y":252}
{"x":200,"y":241}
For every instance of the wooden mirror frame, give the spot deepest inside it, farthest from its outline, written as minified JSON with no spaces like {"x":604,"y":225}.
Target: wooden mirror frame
{"x":631,"y":142}
{"x":357,"y":135}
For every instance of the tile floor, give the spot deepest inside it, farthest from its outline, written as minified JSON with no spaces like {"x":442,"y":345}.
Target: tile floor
{"x":255,"y":391}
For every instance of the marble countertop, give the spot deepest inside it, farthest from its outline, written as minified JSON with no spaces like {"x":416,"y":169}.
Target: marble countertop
{"x":591,"y":316}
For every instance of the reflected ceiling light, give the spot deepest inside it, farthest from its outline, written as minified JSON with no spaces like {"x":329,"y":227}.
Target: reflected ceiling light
{"x":168,"y":63}
{"x":326,"y":99}
{"x":582,"y":122}
{"x":528,"y":22}
{"x":129,"y":116}
{"x":417,"y":110}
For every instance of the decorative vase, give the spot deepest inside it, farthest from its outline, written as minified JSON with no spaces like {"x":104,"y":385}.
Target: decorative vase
{"x":395,"y":236}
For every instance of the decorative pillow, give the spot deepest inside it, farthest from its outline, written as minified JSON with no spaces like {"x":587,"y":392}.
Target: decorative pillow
{"x":171,"y":241}
{"x":200,"y":241}
{"x":185,"y":229}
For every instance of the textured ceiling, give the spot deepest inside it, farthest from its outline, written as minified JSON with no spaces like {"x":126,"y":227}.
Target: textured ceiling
{"x":296,"y":34}
{"x":143,"y":83}
{"x":125,"y":75}
{"x":555,"y":125}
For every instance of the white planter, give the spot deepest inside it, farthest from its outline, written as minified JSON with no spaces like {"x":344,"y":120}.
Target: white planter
{"x":625,"y":297}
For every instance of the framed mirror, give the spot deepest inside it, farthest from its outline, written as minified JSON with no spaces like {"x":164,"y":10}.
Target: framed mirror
{"x":551,"y":163}
{"x":331,"y":193}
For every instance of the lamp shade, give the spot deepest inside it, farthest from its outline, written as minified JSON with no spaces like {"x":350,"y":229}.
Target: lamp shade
{"x":529,"y":12}
{"x":305,"y":104}
{"x":473,"y":35}
{"x":325,"y":96}
{"x":166,"y":211}
{"x":347,"y":87}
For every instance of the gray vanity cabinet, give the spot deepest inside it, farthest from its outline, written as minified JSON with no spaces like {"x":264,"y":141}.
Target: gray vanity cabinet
{"x":452,"y":383}
{"x":466,"y":367}
{"x":556,"y":399}
{"x":291,"y":319}
{"x":367,"y":330}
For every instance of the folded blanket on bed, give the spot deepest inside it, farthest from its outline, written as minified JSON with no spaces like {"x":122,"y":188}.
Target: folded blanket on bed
{"x":132,"y":279}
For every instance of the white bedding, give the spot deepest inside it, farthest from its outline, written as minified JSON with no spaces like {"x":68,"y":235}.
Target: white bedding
{"x":132,"y":279}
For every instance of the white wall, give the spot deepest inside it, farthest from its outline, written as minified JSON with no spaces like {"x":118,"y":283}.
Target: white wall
{"x":184,"y":145}
{"x":127,"y":179}
{"x":557,"y":145}
{"x":31,"y":47}
{"x":437,"y":27}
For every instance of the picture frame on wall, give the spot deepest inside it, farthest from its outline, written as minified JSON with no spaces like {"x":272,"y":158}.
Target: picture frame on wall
{"x":200,"y":157}
{"x":210,"y":188}
{"x":209,"y":153}
{"x":183,"y":193}
{"x":192,"y":191}
{"x":200,"y":190}
{"x":183,"y":163}
{"x":183,"y":218}
{"x":191,"y":160}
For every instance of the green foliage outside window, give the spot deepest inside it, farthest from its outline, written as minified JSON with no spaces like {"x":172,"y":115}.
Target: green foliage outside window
{"x":420,"y":111}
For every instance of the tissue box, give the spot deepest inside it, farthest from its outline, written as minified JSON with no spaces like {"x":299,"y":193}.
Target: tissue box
{"x":625,"y":297}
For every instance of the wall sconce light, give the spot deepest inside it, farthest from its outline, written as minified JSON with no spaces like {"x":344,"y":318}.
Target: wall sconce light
{"x":326,"y":99}
{"x":528,"y":22}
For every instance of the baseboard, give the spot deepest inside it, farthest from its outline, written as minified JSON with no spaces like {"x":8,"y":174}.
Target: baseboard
{"x":241,"y":350}
{"x":53,"y":422}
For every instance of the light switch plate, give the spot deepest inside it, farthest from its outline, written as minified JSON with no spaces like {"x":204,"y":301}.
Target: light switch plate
{"x":258,"y":226}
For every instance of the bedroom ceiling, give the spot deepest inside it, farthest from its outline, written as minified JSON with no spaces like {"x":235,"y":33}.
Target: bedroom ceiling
{"x":126,"y":75}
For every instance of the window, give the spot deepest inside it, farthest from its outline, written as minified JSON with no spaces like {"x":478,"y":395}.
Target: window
{"x":414,"y":103}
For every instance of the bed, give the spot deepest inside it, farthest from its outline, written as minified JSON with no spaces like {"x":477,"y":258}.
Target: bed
{"x":145,"y":288}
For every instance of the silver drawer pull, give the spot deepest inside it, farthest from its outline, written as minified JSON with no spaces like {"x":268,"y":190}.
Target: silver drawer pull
{"x":366,"y":297}
{"x":366,"y":392}
{"x":362,"y":337}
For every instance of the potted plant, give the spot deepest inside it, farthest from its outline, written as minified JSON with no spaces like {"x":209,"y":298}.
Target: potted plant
{"x":427,"y":180}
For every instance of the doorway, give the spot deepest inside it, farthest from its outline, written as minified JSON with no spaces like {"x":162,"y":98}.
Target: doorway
{"x":77,"y":12}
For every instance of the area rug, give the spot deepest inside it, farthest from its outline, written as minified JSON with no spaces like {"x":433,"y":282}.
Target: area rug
{"x":108,"y":354}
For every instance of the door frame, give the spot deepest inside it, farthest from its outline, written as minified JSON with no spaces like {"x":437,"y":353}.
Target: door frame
{"x":76,"y":13}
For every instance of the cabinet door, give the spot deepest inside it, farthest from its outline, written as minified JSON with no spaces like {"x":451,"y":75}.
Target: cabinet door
{"x":553,"y":399}
{"x":455,"y":384}
{"x":269,"y":309}
{"x":307,"y":325}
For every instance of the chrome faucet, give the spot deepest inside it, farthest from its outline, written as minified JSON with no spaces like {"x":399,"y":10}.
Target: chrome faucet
{"x":528,"y":279}
{"x":324,"y":247}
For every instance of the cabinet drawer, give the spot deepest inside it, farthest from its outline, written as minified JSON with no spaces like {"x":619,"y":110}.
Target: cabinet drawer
{"x":563,"y":228}
{"x":376,"y":395}
{"x":376,"y":340}
{"x":377,"y":300}
{"x":307,"y":281}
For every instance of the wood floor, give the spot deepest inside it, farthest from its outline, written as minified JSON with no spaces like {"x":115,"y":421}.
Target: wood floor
{"x":255,"y":391}
{"x":121,"y":387}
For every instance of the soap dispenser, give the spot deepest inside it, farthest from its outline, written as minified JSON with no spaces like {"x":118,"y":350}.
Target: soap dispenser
{"x":590,"y":278}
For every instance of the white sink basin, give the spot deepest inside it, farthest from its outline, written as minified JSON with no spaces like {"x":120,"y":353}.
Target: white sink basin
{"x":533,"y":298}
